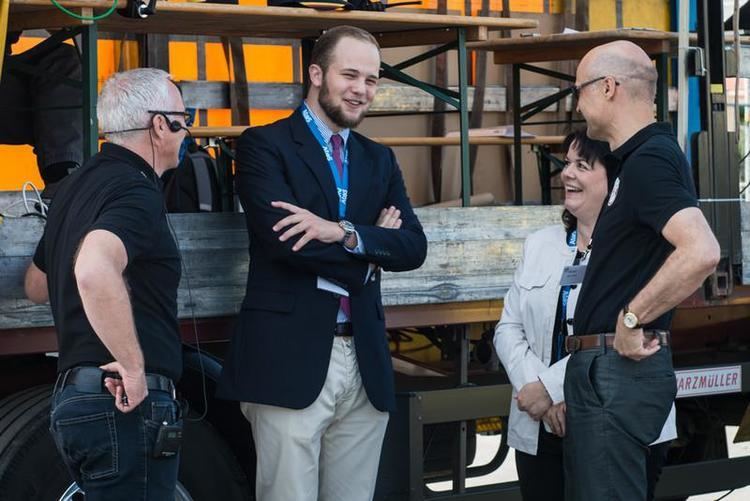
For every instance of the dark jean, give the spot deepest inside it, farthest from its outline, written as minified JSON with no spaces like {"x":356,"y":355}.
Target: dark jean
{"x":109,"y":453}
{"x":616,"y":407}
{"x":541,"y":477}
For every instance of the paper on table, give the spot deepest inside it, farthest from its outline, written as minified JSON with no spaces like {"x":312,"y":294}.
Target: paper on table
{"x":498,"y":131}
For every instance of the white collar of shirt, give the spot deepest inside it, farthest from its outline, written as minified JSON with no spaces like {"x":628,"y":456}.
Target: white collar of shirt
{"x":325,"y":131}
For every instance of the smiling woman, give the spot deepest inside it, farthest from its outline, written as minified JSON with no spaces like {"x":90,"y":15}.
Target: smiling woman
{"x":584,"y":178}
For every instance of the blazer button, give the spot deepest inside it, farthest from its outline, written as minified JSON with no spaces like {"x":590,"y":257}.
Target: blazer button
{"x":373,"y":278}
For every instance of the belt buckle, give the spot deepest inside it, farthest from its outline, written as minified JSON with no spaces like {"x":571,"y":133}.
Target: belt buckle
{"x":573,"y":344}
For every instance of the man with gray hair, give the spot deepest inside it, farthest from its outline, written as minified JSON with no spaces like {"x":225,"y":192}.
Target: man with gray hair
{"x":109,"y":266}
{"x":650,"y":250}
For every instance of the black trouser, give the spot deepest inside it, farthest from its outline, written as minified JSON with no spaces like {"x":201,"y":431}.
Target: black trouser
{"x":616,"y":407}
{"x":542,"y":477}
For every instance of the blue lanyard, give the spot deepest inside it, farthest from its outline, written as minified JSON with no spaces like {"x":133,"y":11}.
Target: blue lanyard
{"x":342,"y":182}
{"x":565,"y":293}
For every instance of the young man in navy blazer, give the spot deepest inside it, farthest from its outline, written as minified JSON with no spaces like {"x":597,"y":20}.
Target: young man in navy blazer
{"x":327,"y":210}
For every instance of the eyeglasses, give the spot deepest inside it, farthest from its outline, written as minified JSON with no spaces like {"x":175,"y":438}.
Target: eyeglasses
{"x":576,"y":89}
{"x":187,"y":116}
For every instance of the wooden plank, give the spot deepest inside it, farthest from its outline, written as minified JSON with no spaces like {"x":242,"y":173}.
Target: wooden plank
{"x":429,"y":37}
{"x":745,"y":239}
{"x":243,"y":20}
{"x":399,"y":141}
{"x":54,"y":19}
{"x":263,"y":96}
{"x":472,"y":255}
{"x":389,"y":98}
{"x":561,"y":47}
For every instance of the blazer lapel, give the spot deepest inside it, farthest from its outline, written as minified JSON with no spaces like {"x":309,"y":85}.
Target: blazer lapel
{"x":360,"y":175}
{"x":312,"y":154}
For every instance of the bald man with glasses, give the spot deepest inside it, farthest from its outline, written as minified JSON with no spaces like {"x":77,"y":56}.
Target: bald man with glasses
{"x":651,"y":249}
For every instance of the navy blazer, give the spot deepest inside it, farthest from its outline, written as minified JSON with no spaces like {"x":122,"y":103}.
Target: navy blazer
{"x":282,"y":344}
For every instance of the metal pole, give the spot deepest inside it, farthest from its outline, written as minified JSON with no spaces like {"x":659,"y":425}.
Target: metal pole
{"x":459,"y":465}
{"x":517,"y":162}
{"x":90,"y":80}
{"x":683,"y":44}
{"x":662,"y":89}
{"x":464,"y":118}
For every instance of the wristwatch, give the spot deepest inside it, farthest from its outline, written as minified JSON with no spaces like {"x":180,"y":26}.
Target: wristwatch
{"x":348,"y":231}
{"x":630,"y":319}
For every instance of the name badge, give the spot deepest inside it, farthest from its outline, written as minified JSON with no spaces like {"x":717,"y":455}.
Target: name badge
{"x":573,"y":275}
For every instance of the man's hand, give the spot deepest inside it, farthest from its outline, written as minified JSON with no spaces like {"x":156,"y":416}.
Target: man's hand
{"x":631,"y":343}
{"x":303,"y":221}
{"x":130,"y":390}
{"x":389,"y":218}
{"x":555,"y":419}
{"x":534,"y":400}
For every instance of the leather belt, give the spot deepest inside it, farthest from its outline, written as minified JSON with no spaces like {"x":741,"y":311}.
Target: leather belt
{"x":592,"y":341}
{"x":343,"y":329}
{"x":92,"y":379}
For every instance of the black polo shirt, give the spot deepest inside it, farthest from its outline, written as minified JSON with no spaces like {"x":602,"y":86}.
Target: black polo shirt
{"x":117,"y":191}
{"x":650,"y":182}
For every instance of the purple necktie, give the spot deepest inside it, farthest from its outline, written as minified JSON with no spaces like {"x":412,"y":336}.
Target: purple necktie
{"x":337,"y":142}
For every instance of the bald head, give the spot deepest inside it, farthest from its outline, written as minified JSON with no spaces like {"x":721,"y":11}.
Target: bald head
{"x":625,"y":61}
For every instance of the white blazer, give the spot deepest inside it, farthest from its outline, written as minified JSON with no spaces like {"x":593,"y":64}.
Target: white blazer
{"x":523,"y":337}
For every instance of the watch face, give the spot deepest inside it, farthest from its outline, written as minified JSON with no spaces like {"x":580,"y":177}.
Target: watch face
{"x":630,"y":320}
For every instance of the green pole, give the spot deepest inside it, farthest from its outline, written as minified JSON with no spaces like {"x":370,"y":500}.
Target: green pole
{"x":90,"y":91}
{"x":464,"y":118}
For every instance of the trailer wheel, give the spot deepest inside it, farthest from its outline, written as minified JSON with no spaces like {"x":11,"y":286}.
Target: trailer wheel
{"x":30,"y":468}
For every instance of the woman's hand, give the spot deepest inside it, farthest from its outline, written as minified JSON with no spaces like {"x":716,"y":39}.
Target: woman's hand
{"x":555,"y":419}
{"x":534,"y":400}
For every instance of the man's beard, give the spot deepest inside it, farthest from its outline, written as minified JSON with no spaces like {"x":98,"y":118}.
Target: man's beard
{"x":336,"y":113}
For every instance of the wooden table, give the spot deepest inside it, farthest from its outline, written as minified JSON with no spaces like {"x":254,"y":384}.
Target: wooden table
{"x":520,"y":51}
{"x":391,"y":28}
{"x":562,"y":47}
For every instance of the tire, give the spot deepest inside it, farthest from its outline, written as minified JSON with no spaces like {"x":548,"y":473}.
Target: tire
{"x":31,"y":469}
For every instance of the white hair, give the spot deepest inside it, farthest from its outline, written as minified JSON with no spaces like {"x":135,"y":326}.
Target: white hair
{"x":126,"y":98}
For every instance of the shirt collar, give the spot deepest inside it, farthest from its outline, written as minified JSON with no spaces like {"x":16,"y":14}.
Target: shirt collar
{"x":131,"y":158}
{"x":325,"y":131}
{"x":640,"y":137}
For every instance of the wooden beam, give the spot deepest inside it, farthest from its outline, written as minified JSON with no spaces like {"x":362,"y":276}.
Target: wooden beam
{"x":561,"y":47}
{"x":399,"y":141}
{"x":390,"y":97}
{"x":189,"y":18}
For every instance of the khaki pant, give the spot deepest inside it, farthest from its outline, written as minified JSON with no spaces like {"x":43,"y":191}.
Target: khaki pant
{"x":329,"y":451}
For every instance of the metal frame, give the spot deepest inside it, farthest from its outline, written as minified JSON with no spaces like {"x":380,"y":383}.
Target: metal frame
{"x":90,"y":80}
{"x":471,"y":402}
{"x":458,"y":100}
{"x":718,"y":172}
{"x":522,"y":114}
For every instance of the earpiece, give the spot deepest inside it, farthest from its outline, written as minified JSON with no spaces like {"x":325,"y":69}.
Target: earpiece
{"x":174,"y":125}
